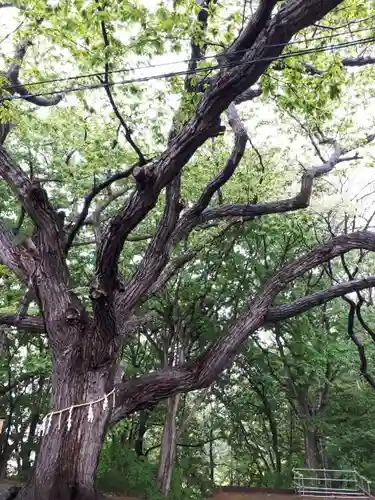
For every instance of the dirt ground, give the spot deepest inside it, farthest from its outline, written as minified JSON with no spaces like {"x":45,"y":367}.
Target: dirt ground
{"x":222,"y":495}
{"x":5,"y":484}
{"x":251,"y":495}
{"x":240,"y":494}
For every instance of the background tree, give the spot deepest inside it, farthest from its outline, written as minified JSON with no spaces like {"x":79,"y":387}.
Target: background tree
{"x":139,"y":209}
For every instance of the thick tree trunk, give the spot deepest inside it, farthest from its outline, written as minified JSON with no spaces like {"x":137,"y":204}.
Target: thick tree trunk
{"x":67,"y":461}
{"x":168,"y":446}
{"x":312,"y":456}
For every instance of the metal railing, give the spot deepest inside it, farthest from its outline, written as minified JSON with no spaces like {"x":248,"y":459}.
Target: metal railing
{"x":323,"y":483}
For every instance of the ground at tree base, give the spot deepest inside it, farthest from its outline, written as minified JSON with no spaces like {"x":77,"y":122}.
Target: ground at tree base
{"x":241,"y":494}
{"x":254,"y":495}
{"x":8,"y":489}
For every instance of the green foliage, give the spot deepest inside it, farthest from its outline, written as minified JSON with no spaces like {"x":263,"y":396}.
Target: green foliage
{"x":120,"y":470}
{"x":251,"y":427}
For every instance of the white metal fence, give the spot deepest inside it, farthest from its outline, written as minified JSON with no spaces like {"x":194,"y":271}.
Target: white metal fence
{"x":323,"y":483}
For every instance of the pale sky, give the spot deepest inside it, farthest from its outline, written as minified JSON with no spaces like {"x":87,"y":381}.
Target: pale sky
{"x":264,"y":125}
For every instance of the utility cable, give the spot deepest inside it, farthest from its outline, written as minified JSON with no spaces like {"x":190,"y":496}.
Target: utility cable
{"x":185,"y":61}
{"x":187,"y":72}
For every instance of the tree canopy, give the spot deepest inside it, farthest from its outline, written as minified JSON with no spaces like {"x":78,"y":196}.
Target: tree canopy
{"x":175,"y":218}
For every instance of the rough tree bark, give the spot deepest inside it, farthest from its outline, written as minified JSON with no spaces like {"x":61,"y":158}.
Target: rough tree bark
{"x":141,"y":431}
{"x":57,"y":474}
{"x":171,"y":435}
{"x":85,"y":346}
{"x":168,"y":446}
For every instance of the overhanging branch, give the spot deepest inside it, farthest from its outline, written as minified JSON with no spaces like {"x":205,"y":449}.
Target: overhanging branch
{"x":149,"y":389}
{"x":35,"y":324}
{"x":292,"y":16}
{"x":15,"y":85}
{"x":90,"y":197}
{"x":249,"y":211}
{"x":299,"y":306}
{"x":32,"y":324}
{"x":14,"y":256}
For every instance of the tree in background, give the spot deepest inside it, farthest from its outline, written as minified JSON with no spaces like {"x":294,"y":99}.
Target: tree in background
{"x":150,"y":202}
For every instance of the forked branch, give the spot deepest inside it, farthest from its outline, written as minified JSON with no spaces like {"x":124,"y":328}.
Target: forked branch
{"x":32,"y":197}
{"x":293,"y":16}
{"x":149,"y":275}
{"x":147,"y":390}
{"x":14,"y":256}
{"x":249,"y":211}
{"x":249,"y":35}
{"x":97,"y":189}
{"x":15,"y":85}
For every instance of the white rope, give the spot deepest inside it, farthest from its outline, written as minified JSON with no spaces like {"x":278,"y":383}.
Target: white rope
{"x":47,"y":420}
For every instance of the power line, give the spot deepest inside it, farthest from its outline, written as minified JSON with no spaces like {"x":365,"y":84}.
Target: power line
{"x":187,"y":72}
{"x":12,"y":32}
{"x":182,"y":61}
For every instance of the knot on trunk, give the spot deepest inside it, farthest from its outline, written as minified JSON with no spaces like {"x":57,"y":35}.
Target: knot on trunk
{"x":144,"y":177}
{"x":73,"y":315}
{"x":97,"y":291}
{"x":37,"y":192}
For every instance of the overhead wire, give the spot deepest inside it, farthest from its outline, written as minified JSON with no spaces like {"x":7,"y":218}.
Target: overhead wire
{"x":12,"y":32}
{"x":207,"y":57}
{"x":187,"y":72}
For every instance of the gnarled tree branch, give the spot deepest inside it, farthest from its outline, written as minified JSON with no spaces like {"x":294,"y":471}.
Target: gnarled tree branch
{"x":148,"y":278}
{"x":90,"y":197}
{"x":299,"y":306}
{"x":15,"y":256}
{"x":293,"y":16}
{"x":49,"y":277}
{"x":249,"y":211}
{"x":33,"y":198}
{"x":35,"y":324}
{"x":147,"y":390}
{"x":16,"y":87}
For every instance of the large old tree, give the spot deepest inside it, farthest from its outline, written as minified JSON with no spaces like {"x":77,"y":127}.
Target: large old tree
{"x":85,"y":337}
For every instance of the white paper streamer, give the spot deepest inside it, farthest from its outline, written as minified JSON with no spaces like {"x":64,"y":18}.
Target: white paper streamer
{"x":90,"y":415}
{"x":44,"y":425}
{"x":47,"y":420}
{"x":69,"y":423}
